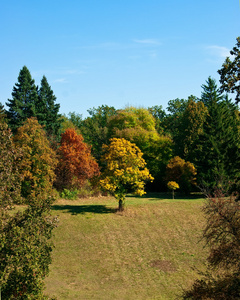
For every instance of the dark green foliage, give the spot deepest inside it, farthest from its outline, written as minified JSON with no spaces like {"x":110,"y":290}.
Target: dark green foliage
{"x":210,"y":93}
{"x":171,"y":123}
{"x":95,"y":128}
{"x":222,"y":234}
{"x":27,"y":101}
{"x":25,"y":252}
{"x":159,"y":114}
{"x":47,"y":111}
{"x":218,"y":156}
{"x":190,"y":128}
{"x":230,"y":73}
{"x":24,"y":98}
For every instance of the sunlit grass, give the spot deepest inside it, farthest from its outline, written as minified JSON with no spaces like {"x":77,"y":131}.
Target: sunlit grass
{"x":146,"y":252}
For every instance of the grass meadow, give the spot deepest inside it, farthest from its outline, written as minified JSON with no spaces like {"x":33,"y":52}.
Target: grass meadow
{"x":149,"y":251}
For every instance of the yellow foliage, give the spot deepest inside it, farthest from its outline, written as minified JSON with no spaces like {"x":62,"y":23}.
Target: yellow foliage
{"x":125,"y":168}
{"x":173,"y":185}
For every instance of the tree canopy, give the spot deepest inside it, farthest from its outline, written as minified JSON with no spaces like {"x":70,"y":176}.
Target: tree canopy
{"x":125,"y":170}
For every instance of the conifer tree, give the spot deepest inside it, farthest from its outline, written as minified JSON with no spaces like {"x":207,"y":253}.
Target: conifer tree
{"x":210,"y":93}
{"x":218,"y":148}
{"x":47,"y":111}
{"x":24,"y":98}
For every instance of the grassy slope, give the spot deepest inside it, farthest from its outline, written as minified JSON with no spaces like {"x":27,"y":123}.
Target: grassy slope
{"x":146,"y":252}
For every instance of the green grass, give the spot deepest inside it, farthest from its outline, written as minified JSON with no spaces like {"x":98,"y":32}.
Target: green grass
{"x":146,"y":252}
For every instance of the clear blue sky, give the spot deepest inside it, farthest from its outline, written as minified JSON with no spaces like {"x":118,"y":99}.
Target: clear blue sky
{"x":116,"y":52}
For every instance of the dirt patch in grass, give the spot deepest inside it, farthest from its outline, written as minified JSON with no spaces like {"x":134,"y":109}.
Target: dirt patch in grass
{"x":163,"y":265}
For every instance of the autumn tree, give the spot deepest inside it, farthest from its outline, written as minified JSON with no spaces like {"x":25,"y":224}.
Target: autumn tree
{"x":25,"y":248}
{"x":183,"y":172}
{"x":125,"y":170}
{"x":39,"y":160}
{"x":76,"y":164}
{"x":230,"y":73}
{"x":137,"y":125}
{"x":221,"y":279}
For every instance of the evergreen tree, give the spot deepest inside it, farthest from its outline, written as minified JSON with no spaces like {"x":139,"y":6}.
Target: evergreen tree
{"x":210,"y":93}
{"x":24,"y":97}
{"x":218,"y":149}
{"x":47,"y":112}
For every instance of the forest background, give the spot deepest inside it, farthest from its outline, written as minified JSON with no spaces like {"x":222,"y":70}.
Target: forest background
{"x":195,"y":144}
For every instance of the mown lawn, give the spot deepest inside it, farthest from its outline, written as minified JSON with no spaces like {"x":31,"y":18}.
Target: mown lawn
{"x":146,"y":252}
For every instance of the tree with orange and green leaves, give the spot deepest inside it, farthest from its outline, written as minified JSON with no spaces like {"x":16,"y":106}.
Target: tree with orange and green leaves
{"x":26,"y":246}
{"x":125,"y":170}
{"x":39,"y":160}
{"x":183,"y":172}
{"x":76,"y":164}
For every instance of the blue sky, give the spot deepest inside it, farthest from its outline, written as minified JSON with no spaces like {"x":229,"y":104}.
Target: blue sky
{"x":116,"y":52}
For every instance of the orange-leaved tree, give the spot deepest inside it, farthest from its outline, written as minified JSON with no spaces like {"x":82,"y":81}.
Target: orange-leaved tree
{"x":183,"y":172}
{"x":76,"y":164}
{"x":39,"y":160}
{"x":125,"y":170}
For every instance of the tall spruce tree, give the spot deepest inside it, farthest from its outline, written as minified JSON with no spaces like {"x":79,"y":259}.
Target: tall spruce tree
{"x":47,"y":111}
{"x":24,"y":97}
{"x":210,"y":92}
{"x":219,"y":160}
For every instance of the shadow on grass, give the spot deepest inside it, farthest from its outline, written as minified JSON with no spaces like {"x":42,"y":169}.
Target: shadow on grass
{"x":168,"y":196}
{"x":82,"y":209}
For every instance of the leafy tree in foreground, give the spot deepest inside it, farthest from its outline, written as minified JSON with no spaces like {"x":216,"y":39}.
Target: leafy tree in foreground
{"x":24,"y":98}
{"x":125,"y":170}
{"x":76,"y":164}
{"x":25,"y":245}
{"x":230,"y":72}
{"x":222,"y":234}
{"x":39,"y":160}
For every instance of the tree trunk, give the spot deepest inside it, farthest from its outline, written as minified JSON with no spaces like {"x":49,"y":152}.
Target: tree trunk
{"x":120,"y":205}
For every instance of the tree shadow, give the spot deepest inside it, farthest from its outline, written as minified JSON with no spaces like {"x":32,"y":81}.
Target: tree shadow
{"x":153,"y":196}
{"x":83,"y":209}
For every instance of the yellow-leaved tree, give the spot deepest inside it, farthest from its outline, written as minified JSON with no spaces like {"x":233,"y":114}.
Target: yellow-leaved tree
{"x":124,"y":171}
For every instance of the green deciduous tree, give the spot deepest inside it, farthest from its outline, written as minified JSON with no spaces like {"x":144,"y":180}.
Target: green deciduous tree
{"x":125,"y":170}
{"x":24,"y":98}
{"x":190,"y":130}
{"x":95,"y":128}
{"x":230,"y":72}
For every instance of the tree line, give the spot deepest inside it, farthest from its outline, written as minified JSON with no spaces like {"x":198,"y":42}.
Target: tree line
{"x":194,"y":143}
